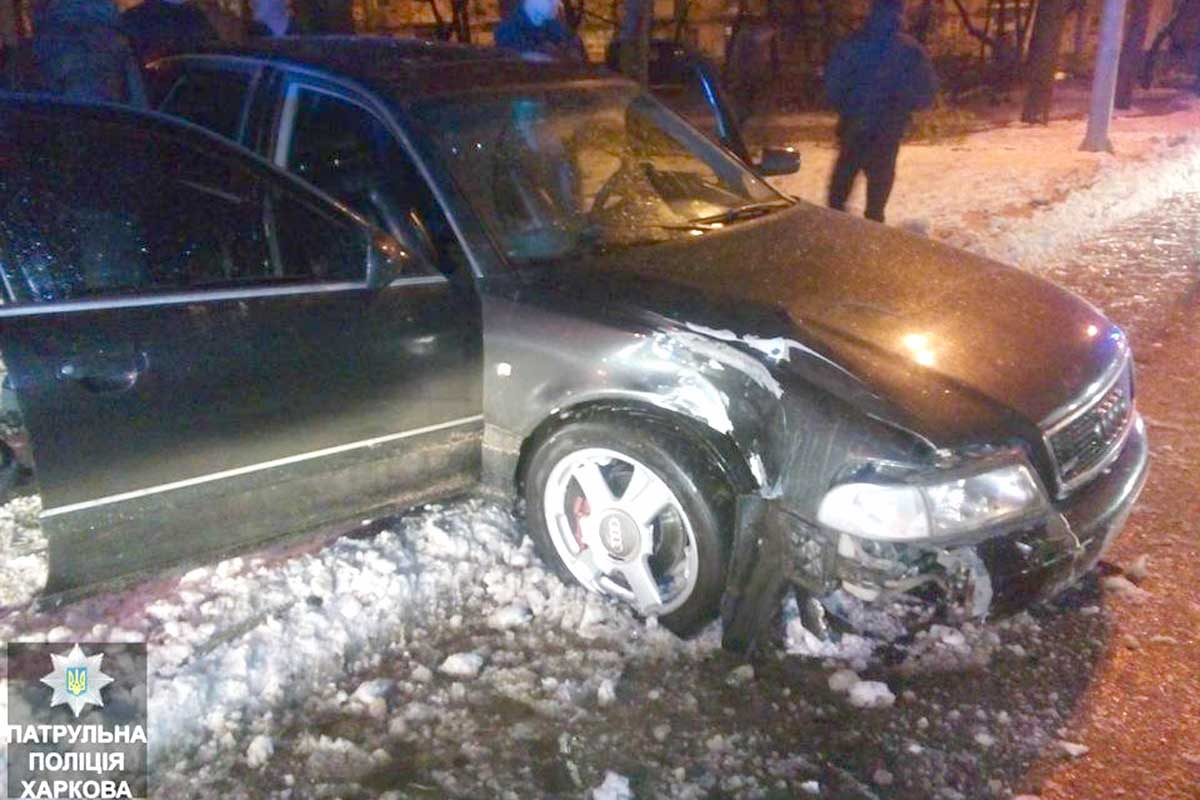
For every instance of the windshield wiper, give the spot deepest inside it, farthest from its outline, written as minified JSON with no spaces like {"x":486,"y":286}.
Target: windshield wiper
{"x":748,"y":211}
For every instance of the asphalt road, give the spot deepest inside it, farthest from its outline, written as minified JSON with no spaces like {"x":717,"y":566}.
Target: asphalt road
{"x":1140,"y":710}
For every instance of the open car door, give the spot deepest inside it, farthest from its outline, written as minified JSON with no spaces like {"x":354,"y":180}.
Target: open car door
{"x":208,"y":355}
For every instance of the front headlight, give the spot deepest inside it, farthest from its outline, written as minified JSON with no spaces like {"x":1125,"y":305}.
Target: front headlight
{"x":903,"y":512}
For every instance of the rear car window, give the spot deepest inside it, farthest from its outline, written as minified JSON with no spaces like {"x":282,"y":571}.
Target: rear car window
{"x":211,"y":98}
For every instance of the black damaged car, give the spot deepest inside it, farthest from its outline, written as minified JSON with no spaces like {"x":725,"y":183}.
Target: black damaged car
{"x":536,"y":279}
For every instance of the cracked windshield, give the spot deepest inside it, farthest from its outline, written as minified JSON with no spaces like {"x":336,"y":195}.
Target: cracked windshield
{"x":563,"y":174}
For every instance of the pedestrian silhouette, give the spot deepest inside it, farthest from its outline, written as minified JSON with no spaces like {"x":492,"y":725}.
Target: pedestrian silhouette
{"x":158,"y":28}
{"x":77,"y":50}
{"x":876,"y":79}
{"x":534,"y":28}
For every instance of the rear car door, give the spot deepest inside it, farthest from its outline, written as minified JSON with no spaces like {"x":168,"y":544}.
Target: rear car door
{"x":198,"y":358}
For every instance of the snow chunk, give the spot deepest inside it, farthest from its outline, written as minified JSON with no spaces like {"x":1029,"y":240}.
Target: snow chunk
{"x":1140,"y":567}
{"x":23,"y":564}
{"x":843,"y":680}
{"x":513,"y":616}
{"x":372,"y":695}
{"x":1120,"y":585}
{"x":740,"y":676}
{"x":811,"y":787}
{"x":1074,"y":750}
{"x":422,"y":674}
{"x":717,"y":744}
{"x":336,"y":758}
{"x":871,"y":694}
{"x":883,"y":778}
{"x":372,"y":690}
{"x":851,"y":648}
{"x":462,"y":665}
{"x":606,"y":694}
{"x":615,"y":787}
{"x":862,"y":694}
{"x":260,"y":751}
{"x":984,"y":739}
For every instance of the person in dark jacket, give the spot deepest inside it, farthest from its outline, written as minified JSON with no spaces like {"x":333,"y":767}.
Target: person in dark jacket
{"x":158,"y":28}
{"x":78,"y":50}
{"x":534,"y":28}
{"x":272,"y":18}
{"x":876,"y":79}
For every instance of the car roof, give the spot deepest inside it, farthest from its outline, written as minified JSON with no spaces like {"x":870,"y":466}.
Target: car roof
{"x":413,"y":67}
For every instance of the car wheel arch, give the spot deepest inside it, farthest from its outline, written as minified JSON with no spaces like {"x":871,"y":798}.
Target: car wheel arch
{"x":722,"y":451}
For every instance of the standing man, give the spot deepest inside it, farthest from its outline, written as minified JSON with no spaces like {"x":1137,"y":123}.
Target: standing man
{"x":158,"y":28}
{"x":534,"y":28}
{"x":876,"y":79}
{"x":78,"y":50}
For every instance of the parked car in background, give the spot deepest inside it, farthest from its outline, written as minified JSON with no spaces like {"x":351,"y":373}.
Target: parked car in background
{"x":535,"y":279}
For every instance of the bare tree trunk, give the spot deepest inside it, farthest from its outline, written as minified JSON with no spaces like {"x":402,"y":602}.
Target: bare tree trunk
{"x":635,"y":40}
{"x":1082,"y":15}
{"x":1104,"y":85}
{"x":984,"y":36}
{"x":682,"y":9}
{"x":573,"y":14}
{"x":1160,"y":38}
{"x":731,"y":44}
{"x":1136,"y":26}
{"x":461,"y":20}
{"x":8,"y":24}
{"x":1025,"y":22}
{"x":1043,"y":60}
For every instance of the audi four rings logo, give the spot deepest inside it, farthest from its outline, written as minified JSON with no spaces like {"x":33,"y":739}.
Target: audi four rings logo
{"x":616,"y":540}
{"x":1110,"y":418}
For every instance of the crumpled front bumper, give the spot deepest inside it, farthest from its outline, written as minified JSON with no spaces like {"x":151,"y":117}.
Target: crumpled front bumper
{"x":992,"y":573}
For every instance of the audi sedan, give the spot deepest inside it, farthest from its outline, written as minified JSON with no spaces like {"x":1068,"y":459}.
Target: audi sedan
{"x":533,"y":279}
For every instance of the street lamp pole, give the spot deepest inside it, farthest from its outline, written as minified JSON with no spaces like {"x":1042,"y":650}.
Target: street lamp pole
{"x":1104,"y":84}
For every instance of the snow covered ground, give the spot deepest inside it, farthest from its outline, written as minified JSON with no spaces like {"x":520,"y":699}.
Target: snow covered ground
{"x":438,"y":657}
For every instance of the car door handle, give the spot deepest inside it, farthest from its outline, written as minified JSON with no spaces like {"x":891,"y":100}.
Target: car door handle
{"x":105,"y":374}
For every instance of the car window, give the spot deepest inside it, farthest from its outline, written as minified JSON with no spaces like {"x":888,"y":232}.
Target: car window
{"x":313,"y":244}
{"x":104,"y":210}
{"x":211,"y":98}
{"x":347,"y":152}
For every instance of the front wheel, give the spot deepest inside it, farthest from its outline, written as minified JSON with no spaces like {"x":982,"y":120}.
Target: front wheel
{"x":634,"y":513}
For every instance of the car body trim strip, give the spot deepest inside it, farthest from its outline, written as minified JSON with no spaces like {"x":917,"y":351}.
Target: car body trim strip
{"x":203,"y":296}
{"x":279,"y":462}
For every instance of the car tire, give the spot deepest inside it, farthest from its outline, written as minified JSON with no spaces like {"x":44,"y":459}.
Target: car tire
{"x":685,"y":547}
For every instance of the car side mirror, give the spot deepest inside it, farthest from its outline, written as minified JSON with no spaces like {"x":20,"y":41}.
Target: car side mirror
{"x":779,"y":161}
{"x":388,"y":259}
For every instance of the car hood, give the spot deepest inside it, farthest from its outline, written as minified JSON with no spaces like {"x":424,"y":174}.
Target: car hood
{"x":955,"y":345}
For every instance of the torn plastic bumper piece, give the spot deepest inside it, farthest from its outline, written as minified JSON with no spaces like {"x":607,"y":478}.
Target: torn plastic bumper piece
{"x":998,"y":572}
